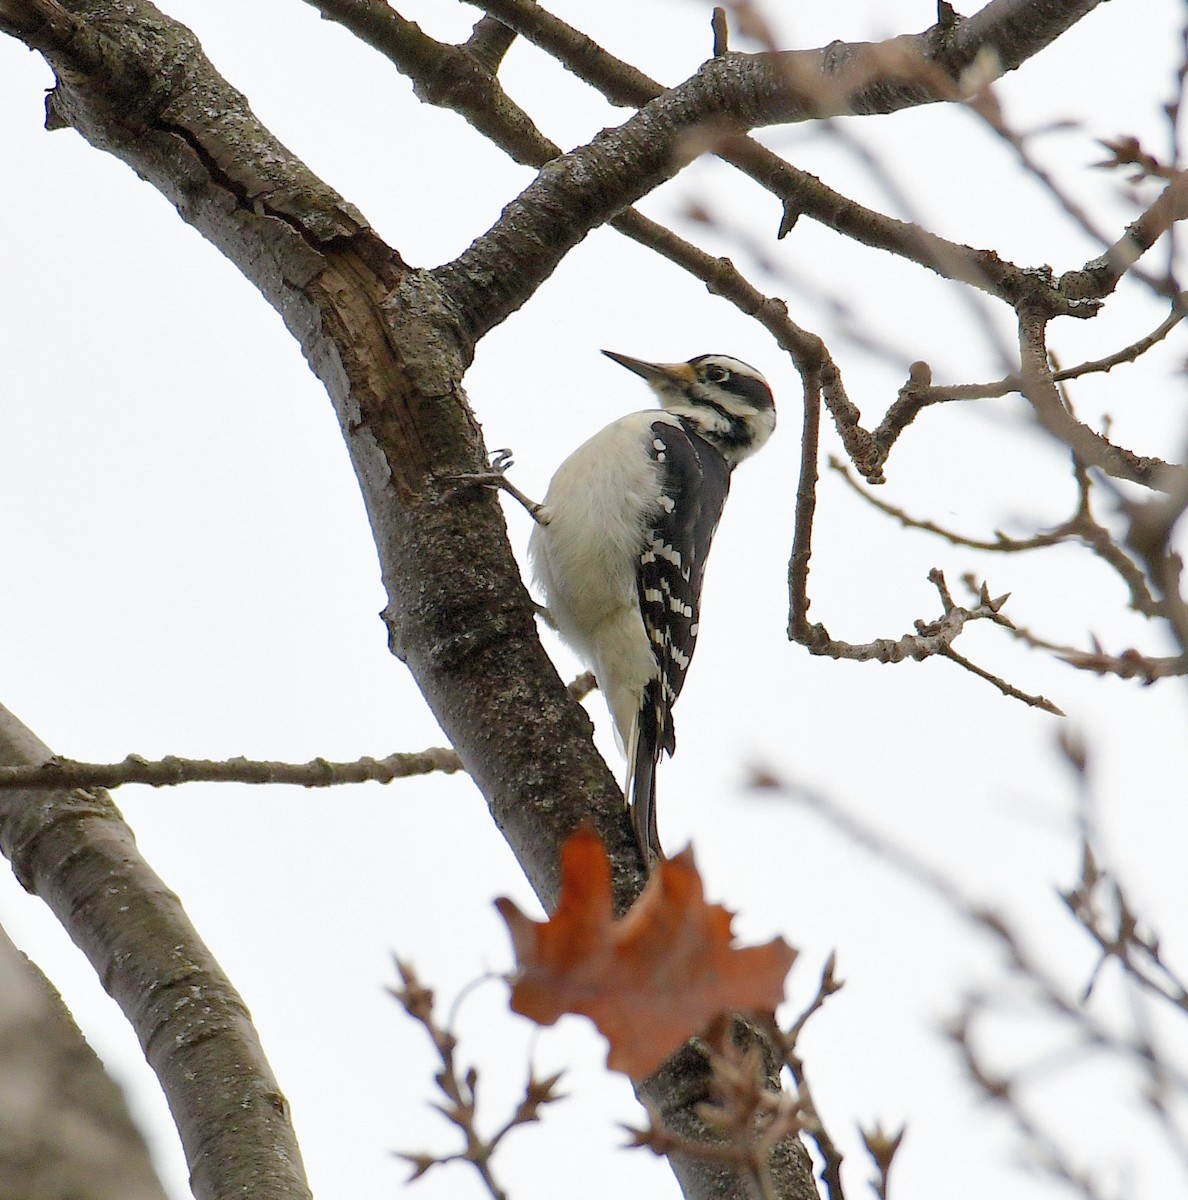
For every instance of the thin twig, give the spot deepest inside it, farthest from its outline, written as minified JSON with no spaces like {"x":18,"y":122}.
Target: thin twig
{"x":932,"y":638}
{"x":990,"y":923}
{"x":58,"y":773}
{"x":1005,"y":688}
{"x":1038,"y":385}
{"x":747,"y":1118}
{"x":806,"y":506}
{"x":721,"y":32}
{"x":1135,"y":350}
{"x":826,"y":987}
{"x":1001,"y":543}
{"x":882,"y":1148}
{"x":830,"y":1152}
{"x":171,"y":770}
{"x":460,"y":1091}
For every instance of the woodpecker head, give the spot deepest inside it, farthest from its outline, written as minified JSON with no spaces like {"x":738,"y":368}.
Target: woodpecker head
{"x":726,"y":401}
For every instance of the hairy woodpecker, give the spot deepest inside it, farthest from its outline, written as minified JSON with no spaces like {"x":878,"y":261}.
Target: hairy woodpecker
{"x":621,"y":543}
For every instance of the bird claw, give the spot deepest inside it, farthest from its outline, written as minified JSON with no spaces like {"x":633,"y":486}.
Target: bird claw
{"x":496,"y":477}
{"x":501,"y":463}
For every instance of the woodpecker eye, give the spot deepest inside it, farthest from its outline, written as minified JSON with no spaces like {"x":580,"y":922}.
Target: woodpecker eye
{"x":717,"y":374}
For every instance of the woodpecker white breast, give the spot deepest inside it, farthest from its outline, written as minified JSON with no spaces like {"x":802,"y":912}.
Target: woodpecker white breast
{"x":625,"y":531}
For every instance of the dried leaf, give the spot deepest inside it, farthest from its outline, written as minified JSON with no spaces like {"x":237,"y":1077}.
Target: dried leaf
{"x":649,"y":981}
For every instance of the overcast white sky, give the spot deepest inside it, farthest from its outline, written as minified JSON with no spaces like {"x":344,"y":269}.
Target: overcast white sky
{"x":189,"y":571}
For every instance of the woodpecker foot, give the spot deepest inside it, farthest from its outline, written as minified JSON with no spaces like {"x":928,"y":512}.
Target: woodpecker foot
{"x":496,"y":477}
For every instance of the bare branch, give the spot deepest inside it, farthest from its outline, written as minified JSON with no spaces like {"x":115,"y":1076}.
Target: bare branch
{"x":986,"y":921}
{"x":1149,"y":536}
{"x":72,"y":849}
{"x":1007,"y":689}
{"x":1081,"y":526}
{"x":1001,"y":543}
{"x":1099,"y":277}
{"x":1129,"y":664}
{"x":460,"y":1091}
{"x":46,"y":25}
{"x":587,"y":187}
{"x":1135,"y":350}
{"x":1102,"y":907}
{"x":1044,"y":1150}
{"x":383,"y":339}
{"x":748,"y":1119}
{"x":826,"y":987}
{"x":882,"y":1148}
{"x":930,"y":639}
{"x":485,"y":105}
{"x":919,"y":392}
{"x":460,"y":78}
{"x":985,"y":105}
{"x":814,"y":1126}
{"x":1015,"y":29}
{"x":67,"y":1130}
{"x":1039,"y":387}
{"x":860,"y":77}
{"x":806,"y":507}
{"x":489,"y":41}
{"x":58,"y":772}
{"x":170,"y":771}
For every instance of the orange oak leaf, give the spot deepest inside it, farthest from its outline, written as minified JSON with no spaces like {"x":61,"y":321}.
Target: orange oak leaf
{"x":649,"y":981}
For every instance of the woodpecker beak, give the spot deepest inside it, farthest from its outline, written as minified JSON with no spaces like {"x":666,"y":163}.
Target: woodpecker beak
{"x":680,"y":374}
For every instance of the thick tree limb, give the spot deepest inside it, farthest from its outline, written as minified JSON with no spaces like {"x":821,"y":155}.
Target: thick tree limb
{"x":73,"y":850}
{"x":385,"y":341}
{"x":491,"y":112}
{"x":731,"y":94}
{"x":939,"y":56}
{"x":66,"y":1128}
{"x":859,"y":77}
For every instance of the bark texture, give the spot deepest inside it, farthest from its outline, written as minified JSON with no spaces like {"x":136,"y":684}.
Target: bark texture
{"x":74,"y":850}
{"x":64,"y":1127}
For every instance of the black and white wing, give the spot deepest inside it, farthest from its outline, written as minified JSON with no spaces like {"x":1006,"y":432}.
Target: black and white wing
{"x":695,"y":480}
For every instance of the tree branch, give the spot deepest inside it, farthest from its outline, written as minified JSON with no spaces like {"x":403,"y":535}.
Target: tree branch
{"x":489,"y":110}
{"x":73,"y":850}
{"x":940,"y":55}
{"x":1132,"y":352}
{"x":587,"y":187}
{"x":385,"y":341}
{"x":1039,"y":387}
{"x":59,"y":773}
{"x":932,"y":638}
{"x":67,"y":1130}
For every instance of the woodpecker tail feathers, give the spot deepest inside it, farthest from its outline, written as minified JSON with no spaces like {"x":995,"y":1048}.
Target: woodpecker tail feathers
{"x":643,"y":756}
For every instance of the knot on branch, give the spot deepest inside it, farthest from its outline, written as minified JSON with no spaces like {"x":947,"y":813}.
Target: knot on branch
{"x":455,"y":76}
{"x":1035,"y":291}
